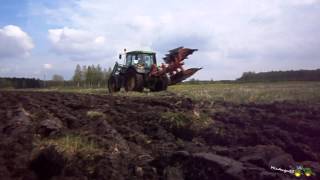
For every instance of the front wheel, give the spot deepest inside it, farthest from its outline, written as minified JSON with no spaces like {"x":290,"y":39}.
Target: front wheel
{"x":134,"y":81}
{"x":113,"y":84}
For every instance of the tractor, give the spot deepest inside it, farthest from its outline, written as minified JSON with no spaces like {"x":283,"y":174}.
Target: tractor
{"x":140,"y":70}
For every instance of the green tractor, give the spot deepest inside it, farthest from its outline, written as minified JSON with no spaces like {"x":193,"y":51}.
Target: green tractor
{"x":140,"y":71}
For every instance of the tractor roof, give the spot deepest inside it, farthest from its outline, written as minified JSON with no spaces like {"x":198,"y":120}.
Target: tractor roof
{"x":140,"y":52}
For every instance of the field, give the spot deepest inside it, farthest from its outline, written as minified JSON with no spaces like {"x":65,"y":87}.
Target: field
{"x":230,"y":92}
{"x":252,"y":92}
{"x":213,"y":131}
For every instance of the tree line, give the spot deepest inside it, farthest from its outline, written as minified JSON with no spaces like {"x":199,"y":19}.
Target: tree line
{"x":19,"y":83}
{"x":300,"y":75}
{"x":91,"y":76}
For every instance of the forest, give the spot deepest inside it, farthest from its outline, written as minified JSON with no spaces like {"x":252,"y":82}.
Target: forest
{"x":19,"y":83}
{"x":299,"y":75}
{"x":92,"y":76}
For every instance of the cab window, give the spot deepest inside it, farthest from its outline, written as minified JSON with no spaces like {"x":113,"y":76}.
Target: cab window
{"x":148,"y":59}
{"x":129,"y":59}
{"x":137,"y":59}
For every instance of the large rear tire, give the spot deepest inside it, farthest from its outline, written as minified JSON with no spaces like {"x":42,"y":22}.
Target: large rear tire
{"x":113,"y":84}
{"x":165,"y":83}
{"x":134,"y":81}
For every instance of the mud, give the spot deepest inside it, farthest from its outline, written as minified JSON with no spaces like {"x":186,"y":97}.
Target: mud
{"x":149,"y":138}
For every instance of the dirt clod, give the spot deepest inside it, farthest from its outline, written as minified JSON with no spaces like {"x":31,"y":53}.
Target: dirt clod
{"x":50,"y":127}
{"x":47,"y":163}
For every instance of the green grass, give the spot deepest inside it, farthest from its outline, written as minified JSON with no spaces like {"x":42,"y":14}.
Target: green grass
{"x":185,"y":119}
{"x":232,"y":92}
{"x":251,"y":92}
{"x":95,"y":114}
{"x":71,"y":145}
{"x":177,"y":119}
{"x":74,"y":90}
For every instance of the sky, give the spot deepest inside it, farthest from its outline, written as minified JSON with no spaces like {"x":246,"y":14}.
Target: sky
{"x":39,"y":38}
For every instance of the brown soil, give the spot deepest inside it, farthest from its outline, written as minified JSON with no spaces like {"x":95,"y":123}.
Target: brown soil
{"x":135,"y":140}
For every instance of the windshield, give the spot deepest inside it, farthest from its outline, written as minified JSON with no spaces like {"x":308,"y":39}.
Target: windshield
{"x":148,"y":59}
{"x":145,"y":59}
{"x":128,"y":62}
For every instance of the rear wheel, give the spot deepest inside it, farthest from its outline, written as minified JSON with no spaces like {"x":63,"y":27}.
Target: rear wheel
{"x":165,"y":82}
{"x":134,"y":81}
{"x":113,"y":84}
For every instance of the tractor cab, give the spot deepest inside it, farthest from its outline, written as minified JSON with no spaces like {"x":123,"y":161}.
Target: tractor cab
{"x":141,"y":60}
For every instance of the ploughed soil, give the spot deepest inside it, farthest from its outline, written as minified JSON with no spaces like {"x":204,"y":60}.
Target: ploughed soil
{"x":168,"y":137}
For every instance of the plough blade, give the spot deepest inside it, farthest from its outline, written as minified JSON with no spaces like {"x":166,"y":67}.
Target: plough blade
{"x":178,"y":54}
{"x":182,"y":75}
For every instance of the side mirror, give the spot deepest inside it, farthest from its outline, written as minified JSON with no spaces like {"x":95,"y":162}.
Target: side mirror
{"x":120,"y":56}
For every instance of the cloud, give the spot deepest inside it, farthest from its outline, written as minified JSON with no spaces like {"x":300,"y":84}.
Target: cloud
{"x":47,"y":66}
{"x":304,"y":2}
{"x":14,"y":42}
{"x":78,"y":44}
{"x":231,"y":35}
